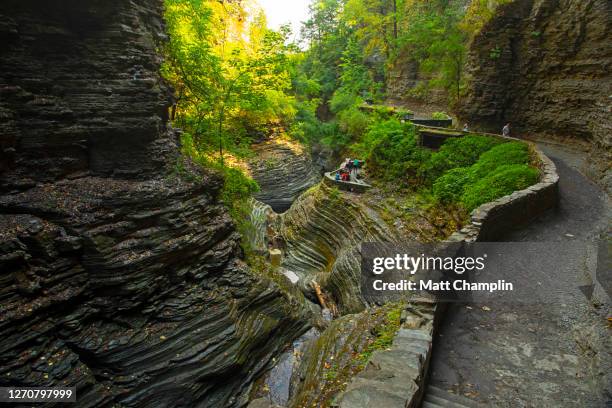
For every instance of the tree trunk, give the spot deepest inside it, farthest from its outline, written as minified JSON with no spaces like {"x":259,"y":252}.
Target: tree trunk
{"x":220,"y":132}
{"x":395,"y":19}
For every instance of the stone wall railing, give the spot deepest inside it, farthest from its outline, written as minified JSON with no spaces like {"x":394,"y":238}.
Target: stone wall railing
{"x":442,"y":123}
{"x":434,"y":137}
{"x":492,"y":220}
{"x":397,"y":377}
{"x":351,"y":186}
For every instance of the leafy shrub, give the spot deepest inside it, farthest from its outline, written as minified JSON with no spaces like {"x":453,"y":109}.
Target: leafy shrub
{"x":449,"y":188}
{"x":495,"y":53}
{"x":503,"y":181}
{"x":306,"y":126}
{"x":237,"y":186}
{"x":332,"y":136}
{"x":394,"y":154}
{"x":505,"y":153}
{"x":383,"y":112}
{"x":457,"y":152}
{"x":353,"y":122}
{"x":401,"y":113}
{"x":310,"y":130}
{"x":344,"y":100}
{"x":279,"y":107}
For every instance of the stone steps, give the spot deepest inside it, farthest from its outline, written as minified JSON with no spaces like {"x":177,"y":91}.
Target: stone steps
{"x":392,"y":377}
{"x":438,"y":398}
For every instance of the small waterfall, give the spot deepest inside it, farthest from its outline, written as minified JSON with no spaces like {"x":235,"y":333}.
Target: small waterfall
{"x":259,"y":235}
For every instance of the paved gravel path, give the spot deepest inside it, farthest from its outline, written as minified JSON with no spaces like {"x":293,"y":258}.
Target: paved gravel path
{"x":547,"y":355}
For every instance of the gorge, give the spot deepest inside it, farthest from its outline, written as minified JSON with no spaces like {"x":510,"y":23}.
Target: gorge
{"x":118,"y":278}
{"x":125,"y":272}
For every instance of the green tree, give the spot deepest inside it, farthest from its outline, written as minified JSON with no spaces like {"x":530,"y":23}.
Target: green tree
{"x":325,"y":34}
{"x":433,"y":36}
{"x":376,"y":24}
{"x":228,"y":75}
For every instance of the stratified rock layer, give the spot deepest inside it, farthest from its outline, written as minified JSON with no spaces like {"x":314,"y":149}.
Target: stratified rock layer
{"x":115,"y":276}
{"x":323,"y":232}
{"x":283,"y":169}
{"x":79,"y":90}
{"x":132,"y":292}
{"x":546,"y":67}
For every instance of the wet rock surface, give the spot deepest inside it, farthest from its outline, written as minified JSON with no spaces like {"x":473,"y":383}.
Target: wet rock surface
{"x":320,"y":238}
{"x":330,"y":359}
{"x":117,"y":277}
{"x":133,"y":292}
{"x":322,"y":233}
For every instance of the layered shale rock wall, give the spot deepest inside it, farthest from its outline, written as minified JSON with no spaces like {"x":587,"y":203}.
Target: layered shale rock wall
{"x":545,"y":66}
{"x":323,"y":232}
{"x":116,"y":276}
{"x":80,"y":90}
{"x":283,"y":169}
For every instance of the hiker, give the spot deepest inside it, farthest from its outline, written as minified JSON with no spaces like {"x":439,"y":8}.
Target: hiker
{"x":356,"y":165}
{"x":466,"y":128}
{"x":506,"y":130}
{"x":349,"y":166}
{"x":337,"y":176}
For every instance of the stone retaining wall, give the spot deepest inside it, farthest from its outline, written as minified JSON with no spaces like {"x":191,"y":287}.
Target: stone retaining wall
{"x":492,"y":220}
{"x":434,"y":138}
{"x":443,"y":123}
{"x":397,"y":377}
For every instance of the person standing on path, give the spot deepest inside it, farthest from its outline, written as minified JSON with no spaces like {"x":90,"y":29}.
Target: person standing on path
{"x":506,"y":130}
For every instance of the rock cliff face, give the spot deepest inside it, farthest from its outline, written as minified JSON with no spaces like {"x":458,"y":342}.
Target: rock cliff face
{"x":117,"y":277}
{"x":404,"y":79}
{"x":80,"y":90}
{"x":545,"y":66}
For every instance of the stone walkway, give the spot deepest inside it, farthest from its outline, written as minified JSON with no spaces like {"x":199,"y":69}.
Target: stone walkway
{"x":552,"y":355}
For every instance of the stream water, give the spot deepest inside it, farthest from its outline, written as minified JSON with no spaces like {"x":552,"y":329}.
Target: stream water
{"x":278,"y":194}
{"x":318,"y":236}
{"x":279,"y":379}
